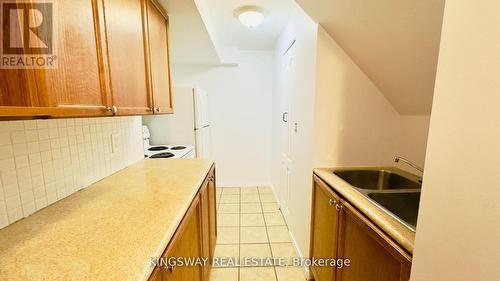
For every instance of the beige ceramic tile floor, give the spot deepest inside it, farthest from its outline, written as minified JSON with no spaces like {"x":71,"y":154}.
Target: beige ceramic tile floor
{"x":251,"y":225}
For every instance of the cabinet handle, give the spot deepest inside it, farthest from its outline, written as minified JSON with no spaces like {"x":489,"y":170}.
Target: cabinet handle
{"x":332,"y":202}
{"x":339,"y":207}
{"x":113,"y":109}
{"x":156,"y":109}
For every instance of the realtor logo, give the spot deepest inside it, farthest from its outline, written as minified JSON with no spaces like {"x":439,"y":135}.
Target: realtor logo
{"x":28,"y":37}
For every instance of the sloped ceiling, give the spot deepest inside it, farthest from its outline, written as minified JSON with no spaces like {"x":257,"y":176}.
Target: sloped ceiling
{"x":190,"y":39}
{"x":395,"y":42}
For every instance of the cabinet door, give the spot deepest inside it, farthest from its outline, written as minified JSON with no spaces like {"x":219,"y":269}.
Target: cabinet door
{"x":77,"y":85}
{"x":205,"y":223}
{"x":324,"y":228}
{"x":128,"y":56}
{"x":212,"y":211}
{"x":160,"y":58}
{"x":15,"y":88}
{"x":186,"y":243}
{"x":374,"y":256}
{"x":156,"y":275}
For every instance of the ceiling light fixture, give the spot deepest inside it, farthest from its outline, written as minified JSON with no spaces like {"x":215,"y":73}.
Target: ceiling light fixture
{"x":250,"y":16}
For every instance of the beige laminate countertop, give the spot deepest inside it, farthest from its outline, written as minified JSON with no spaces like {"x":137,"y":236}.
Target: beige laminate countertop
{"x":107,"y":231}
{"x":395,"y":229}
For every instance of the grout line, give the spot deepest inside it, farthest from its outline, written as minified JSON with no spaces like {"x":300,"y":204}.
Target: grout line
{"x":268,"y":239}
{"x":239,"y":238}
{"x":262,"y":213}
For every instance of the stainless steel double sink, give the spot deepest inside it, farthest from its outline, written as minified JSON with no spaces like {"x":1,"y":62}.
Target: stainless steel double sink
{"x":395,"y":191}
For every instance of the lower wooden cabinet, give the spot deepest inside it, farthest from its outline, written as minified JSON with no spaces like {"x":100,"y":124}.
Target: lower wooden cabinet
{"x":205,"y":220}
{"x":156,"y":275}
{"x":324,"y":229}
{"x":187,"y":243}
{"x":374,"y":256}
{"x":192,"y":239}
{"x":338,"y":230}
{"x":212,"y":212}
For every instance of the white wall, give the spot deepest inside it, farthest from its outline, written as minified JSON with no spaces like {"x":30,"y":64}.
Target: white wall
{"x":412,"y":139}
{"x":43,"y":161}
{"x":355,"y":123}
{"x":344,"y":120}
{"x":459,"y":220}
{"x":240,"y":101}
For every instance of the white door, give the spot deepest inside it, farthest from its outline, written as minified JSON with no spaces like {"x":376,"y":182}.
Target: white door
{"x":286,"y":134}
{"x":285,"y":181}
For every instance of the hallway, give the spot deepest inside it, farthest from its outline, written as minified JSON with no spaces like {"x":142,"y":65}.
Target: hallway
{"x":250,"y":225}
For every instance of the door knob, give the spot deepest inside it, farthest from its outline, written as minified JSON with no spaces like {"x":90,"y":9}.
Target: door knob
{"x":284,"y":116}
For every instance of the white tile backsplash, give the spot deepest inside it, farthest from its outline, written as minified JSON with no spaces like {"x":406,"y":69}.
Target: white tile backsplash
{"x":42,"y":161}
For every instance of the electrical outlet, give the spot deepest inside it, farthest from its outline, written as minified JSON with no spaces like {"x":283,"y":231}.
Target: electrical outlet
{"x":115,"y":142}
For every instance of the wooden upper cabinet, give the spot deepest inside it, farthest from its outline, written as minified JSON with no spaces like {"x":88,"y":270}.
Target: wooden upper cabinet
{"x":128,"y":52}
{"x":16,"y":89}
{"x":105,"y":62}
{"x":77,"y":85}
{"x":374,"y":256}
{"x":160,"y":58}
{"x":324,"y":228}
{"x":17,"y":86}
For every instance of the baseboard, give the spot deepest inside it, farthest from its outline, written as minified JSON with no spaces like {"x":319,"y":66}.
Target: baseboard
{"x":242,"y":184}
{"x":294,"y":241}
{"x":299,"y":253}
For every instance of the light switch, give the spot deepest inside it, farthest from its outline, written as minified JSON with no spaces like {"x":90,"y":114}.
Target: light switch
{"x":115,"y":142}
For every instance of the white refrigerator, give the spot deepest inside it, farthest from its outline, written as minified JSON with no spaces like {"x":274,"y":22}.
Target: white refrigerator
{"x":190,"y":123}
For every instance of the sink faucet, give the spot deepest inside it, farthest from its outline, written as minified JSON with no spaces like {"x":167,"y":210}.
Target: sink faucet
{"x":408,"y":162}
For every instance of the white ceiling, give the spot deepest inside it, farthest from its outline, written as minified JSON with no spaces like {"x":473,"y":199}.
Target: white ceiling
{"x":229,"y":32}
{"x":395,"y":42}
